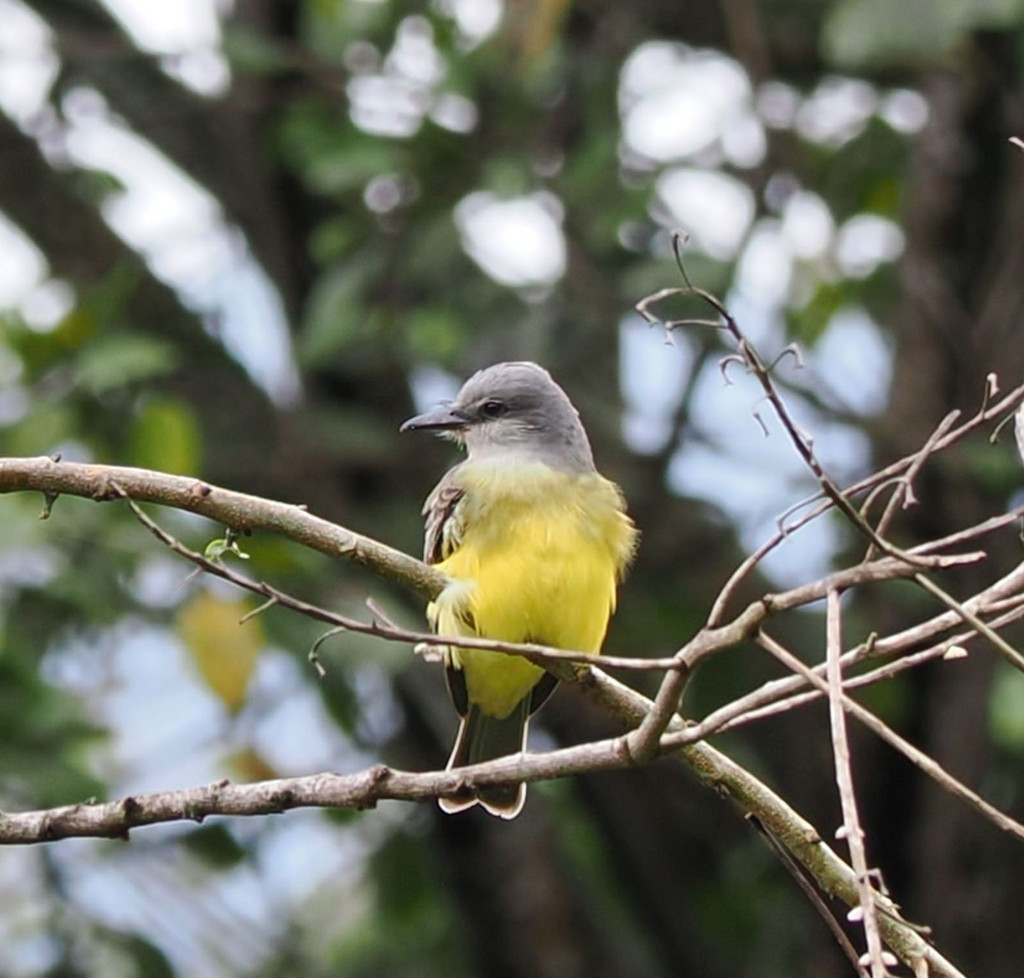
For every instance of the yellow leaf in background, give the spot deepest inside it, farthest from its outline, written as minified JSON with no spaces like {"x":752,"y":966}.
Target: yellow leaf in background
{"x":223,"y":650}
{"x":533,"y":26}
{"x":247,"y":765}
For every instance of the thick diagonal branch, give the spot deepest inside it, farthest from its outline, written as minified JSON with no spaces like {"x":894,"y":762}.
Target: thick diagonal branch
{"x":236,"y":510}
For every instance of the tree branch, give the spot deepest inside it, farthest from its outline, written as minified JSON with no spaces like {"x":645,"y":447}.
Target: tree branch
{"x":246,"y":513}
{"x":115,"y":819}
{"x":786,"y":826}
{"x":364,"y":790}
{"x":643,"y":741}
{"x":236,"y":510}
{"x":930,"y":767}
{"x":779,"y":695}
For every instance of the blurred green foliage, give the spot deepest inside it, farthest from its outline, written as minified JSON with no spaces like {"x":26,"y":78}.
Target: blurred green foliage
{"x":335,"y":163}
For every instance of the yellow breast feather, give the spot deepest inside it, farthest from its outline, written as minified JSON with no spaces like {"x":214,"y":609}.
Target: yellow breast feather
{"x":538,"y":557}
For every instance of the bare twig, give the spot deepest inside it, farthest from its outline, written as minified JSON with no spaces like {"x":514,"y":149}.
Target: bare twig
{"x":655,"y":724}
{"x":1007,"y":651}
{"x":705,"y":643}
{"x":851,"y":831}
{"x":894,"y":471}
{"x":780,"y":695}
{"x":799,"y":439}
{"x":908,"y":750}
{"x":115,"y":819}
{"x":807,"y":888}
{"x":830,"y":873}
{"x":904,"y":494}
{"x":644,"y":741}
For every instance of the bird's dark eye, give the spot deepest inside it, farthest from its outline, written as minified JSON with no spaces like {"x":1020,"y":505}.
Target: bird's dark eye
{"x":492,"y":409}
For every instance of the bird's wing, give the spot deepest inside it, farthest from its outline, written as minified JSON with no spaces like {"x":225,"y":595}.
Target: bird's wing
{"x":443,"y":536}
{"x":443,"y":520}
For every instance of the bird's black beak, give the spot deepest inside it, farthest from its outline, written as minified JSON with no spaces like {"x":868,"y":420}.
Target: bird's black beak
{"x":442,"y":418}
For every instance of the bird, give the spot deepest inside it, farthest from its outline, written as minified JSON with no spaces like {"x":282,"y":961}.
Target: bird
{"x":533,"y":541}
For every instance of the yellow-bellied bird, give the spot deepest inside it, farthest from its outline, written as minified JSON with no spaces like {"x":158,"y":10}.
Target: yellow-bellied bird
{"x":534,"y":541}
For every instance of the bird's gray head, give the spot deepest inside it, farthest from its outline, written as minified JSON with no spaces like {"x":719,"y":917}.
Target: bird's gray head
{"x":513,"y":409}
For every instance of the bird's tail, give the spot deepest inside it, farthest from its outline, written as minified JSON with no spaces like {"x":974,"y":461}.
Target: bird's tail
{"x":484,"y":738}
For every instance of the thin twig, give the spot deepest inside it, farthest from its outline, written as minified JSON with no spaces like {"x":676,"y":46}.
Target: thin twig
{"x":799,"y":439}
{"x":649,"y":733}
{"x":781,"y":695}
{"x":643,"y":742}
{"x":798,"y":836}
{"x":852,"y":831}
{"x":540,"y":654}
{"x":893,"y":471}
{"x":1007,"y":651}
{"x":705,"y":643}
{"x":904,"y":494}
{"x":908,"y":750}
{"x":814,"y":897}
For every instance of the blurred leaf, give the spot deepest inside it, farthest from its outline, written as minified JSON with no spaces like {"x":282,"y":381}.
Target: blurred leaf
{"x":646,"y":277}
{"x":339,"y":698}
{"x":914,"y":30}
{"x":103,"y":304}
{"x":331,"y":24}
{"x":508,"y":175}
{"x":433,"y":333}
{"x":147,"y":960}
{"x":885,"y":195}
{"x":251,"y":52}
{"x":328,"y":9}
{"x":42,"y":728}
{"x":40,"y":351}
{"x":354,"y":434}
{"x":215,"y":846}
{"x":862,"y":174}
{"x":808,"y":323}
{"x":332,"y":239}
{"x":336,"y":315}
{"x":996,"y":468}
{"x":536,"y":27}
{"x":223,"y":650}
{"x":343,"y":816}
{"x":41,"y":430}
{"x":409,"y":933}
{"x":434,"y":251}
{"x":115,"y":360}
{"x":333,"y":156}
{"x":98,"y":186}
{"x":892,"y":701}
{"x":165,"y":436}
{"x":74,"y":329}
{"x":1006,"y":709}
{"x":403,"y":879}
{"x":350,"y":166}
